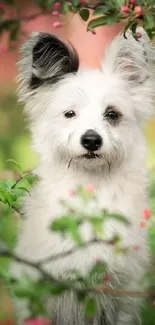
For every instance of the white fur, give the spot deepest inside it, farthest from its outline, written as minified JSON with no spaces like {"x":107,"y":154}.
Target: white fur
{"x":119,"y":176}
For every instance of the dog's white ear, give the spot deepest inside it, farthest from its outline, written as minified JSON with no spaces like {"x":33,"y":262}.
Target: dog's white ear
{"x":130,"y":58}
{"x":133,"y":62}
{"x":45,"y":59}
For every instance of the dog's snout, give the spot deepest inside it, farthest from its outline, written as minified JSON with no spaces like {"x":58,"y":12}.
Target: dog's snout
{"x":91,"y":140}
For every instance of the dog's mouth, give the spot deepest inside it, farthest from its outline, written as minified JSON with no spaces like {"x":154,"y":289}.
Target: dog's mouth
{"x":91,"y":155}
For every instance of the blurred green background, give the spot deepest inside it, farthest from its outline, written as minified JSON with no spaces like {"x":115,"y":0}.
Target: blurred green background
{"x":14,"y":135}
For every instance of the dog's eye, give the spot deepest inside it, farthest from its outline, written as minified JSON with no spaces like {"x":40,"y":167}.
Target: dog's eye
{"x":69,"y":114}
{"x":112,"y":114}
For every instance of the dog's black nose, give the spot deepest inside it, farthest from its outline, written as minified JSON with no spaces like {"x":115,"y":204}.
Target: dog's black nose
{"x":91,"y":140}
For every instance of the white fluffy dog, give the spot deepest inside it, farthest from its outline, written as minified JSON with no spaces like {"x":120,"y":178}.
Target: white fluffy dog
{"x":87,"y":128}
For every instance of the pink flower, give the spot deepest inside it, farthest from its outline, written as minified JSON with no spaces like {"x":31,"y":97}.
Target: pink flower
{"x":142,"y":224}
{"x":72,"y":192}
{"x":57,"y":24}
{"x":138,"y":35}
{"x":82,"y":1}
{"x":98,"y":260}
{"x":147,"y":213}
{"x":57,"y":5}
{"x":138,"y":10}
{"x":132,"y":2}
{"x":125,"y":9}
{"x":90,"y":188}
{"x":55,"y":12}
{"x":37,"y":321}
{"x":153,"y":303}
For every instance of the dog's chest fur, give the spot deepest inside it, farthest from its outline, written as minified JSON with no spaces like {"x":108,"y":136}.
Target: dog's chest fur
{"x":122,"y":193}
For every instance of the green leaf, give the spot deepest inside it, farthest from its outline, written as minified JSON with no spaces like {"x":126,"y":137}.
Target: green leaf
{"x":97,"y":223}
{"x":4,"y":186}
{"x":30,"y":178}
{"x":22,"y":292}
{"x":90,"y":307}
{"x":116,"y":216}
{"x":76,"y":236}
{"x":57,"y":288}
{"x":84,"y":14}
{"x":103,"y":9}
{"x":63,"y":223}
{"x":149,"y":21}
{"x":97,"y":271}
{"x":76,"y":3}
{"x":66,"y":7}
{"x":6,"y":196}
{"x":101,"y":21}
{"x":68,"y":224}
{"x":115,"y":239}
{"x":14,"y":197}
{"x":2,"y":198}
{"x":24,"y":189}
{"x":14,"y":163}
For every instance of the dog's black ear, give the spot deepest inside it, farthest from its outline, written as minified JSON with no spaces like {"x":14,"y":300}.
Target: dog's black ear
{"x":52,"y":59}
{"x":45,"y":59}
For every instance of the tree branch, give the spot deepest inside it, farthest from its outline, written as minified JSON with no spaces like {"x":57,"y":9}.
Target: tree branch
{"x":14,"y":208}
{"x":17,"y":210}
{"x":71,"y":286}
{"x":93,"y":6}
{"x":74,"y":250}
{"x":16,"y":182}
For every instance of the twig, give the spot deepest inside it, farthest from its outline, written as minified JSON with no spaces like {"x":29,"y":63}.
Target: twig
{"x":44,"y":13}
{"x":17,"y":210}
{"x":16,"y":182}
{"x":74,"y":250}
{"x":122,"y":293}
{"x":14,"y":208}
{"x":70,"y":285}
{"x":93,"y":6}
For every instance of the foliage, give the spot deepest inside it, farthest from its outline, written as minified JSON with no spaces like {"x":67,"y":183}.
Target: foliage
{"x":105,"y":12}
{"x":14,"y":135}
{"x":97,"y":278}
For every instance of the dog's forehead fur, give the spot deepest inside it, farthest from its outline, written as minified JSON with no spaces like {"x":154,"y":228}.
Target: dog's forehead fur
{"x":90,"y":90}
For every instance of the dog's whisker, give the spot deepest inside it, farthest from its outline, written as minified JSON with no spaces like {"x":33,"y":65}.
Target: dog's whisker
{"x":70,"y":162}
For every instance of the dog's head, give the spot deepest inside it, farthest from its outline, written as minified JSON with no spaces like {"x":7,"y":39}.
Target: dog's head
{"x":86,"y":117}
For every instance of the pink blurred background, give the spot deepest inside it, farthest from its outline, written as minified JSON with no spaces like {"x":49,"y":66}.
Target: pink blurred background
{"x":89,"y":46}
